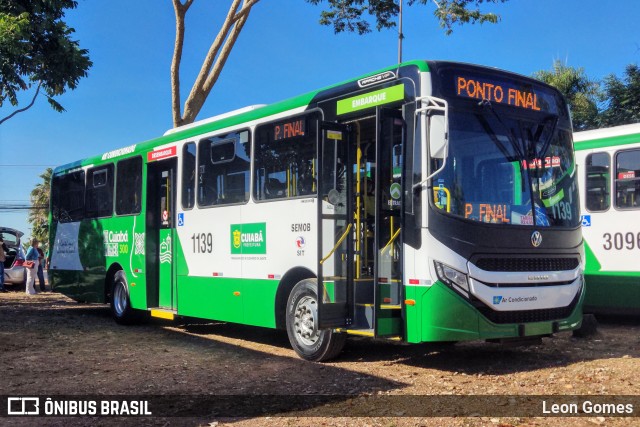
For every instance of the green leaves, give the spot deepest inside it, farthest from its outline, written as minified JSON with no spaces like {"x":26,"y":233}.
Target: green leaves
{"x":622,"y":98}
{"x":457,"y":12}
{"x":595,"y":104}
{"x":582,"y":94}
{"x":37,"y":49}
{"x":353,"y":15}
{"x":39,"y":212}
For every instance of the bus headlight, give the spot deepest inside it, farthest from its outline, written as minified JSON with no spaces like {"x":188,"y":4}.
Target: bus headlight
{"x":452,"y":277}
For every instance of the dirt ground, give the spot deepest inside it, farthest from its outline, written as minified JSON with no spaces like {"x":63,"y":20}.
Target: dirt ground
{"x":51,"y":345}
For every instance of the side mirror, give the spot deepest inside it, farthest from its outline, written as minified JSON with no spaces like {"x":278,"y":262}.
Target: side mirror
{"x":437,"y":136}
{"x":436,"y":113}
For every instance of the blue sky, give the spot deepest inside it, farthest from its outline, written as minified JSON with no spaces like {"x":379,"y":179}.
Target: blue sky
{"x":282,"y":52}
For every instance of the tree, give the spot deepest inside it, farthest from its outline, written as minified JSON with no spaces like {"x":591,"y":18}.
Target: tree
{"x":39,"y":212}
{"x":36,"y":50}
{"x":581,"y":93}
{"x":344,"y":15}
{"x":213,"y":63}
{"x":352,"y":15}
{"x":622,"y":98}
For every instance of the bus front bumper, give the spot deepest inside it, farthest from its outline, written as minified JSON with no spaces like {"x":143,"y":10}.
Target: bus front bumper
{"x":440,"y":314}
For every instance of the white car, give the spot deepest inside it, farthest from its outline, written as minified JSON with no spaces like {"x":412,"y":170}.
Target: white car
{"x":14,"y":272}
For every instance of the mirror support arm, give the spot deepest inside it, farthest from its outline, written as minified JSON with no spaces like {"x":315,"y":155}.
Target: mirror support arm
{"x":434,"y":104}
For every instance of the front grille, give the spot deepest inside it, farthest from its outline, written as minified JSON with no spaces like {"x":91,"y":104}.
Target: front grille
{"x":527,"y":264}
{"x":526,"y":316}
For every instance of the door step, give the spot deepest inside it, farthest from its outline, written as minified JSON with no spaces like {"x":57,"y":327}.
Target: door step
{"x":360,"y":332}
{"x":367,"y":333}
{"x":163,"y":313}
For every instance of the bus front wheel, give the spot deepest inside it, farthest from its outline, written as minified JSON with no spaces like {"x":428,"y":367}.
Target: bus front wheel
{"x":120,"y":303}
{"x":302,"y":325}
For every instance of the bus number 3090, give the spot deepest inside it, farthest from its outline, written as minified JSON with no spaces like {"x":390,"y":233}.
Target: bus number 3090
{"x":202,"y":243}
{"x":621,"y":241}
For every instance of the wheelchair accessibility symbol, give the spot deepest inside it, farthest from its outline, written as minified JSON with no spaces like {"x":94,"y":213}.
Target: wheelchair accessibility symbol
{"x":586,"y":220}
{"x":180,"y":219}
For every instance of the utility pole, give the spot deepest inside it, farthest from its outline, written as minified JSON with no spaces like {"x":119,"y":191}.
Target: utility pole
{"x":400,"y":35}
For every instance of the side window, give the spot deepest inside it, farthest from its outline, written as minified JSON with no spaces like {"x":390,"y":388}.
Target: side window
{"x":70,"y":203}
{"x":223,"y":169}
{"x":286,"y":158}
{"x":99,"y":194}
{"x":54,"y":200}
{"x":628,"y":179}
{"x":598,"y":179}
{"x":188,"y":175}
{"x":129,"y":186}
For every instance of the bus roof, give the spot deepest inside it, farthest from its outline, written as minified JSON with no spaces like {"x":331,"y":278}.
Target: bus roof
{"x":215,"y":118}
{"x":607,"y":137}
{"x":243,"y":115}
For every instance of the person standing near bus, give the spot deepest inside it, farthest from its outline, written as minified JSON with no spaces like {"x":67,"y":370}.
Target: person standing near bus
{"x":32,"y":255}
{"x":41,"y":269}
{"x":3,"y":258}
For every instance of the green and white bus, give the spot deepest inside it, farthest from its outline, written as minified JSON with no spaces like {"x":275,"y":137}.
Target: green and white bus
{"x":430,"y":201}
{"x":609,"y":164}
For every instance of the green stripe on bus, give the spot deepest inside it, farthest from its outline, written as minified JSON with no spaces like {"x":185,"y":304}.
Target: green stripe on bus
{"x":614,"y":292}
{"x":269,"y":110}
{"x":607,"y":142}
{"x":591,"y":261}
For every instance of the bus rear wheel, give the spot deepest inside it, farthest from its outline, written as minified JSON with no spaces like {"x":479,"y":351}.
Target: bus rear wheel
{"x":307,"y":340}
{"x":121,"y":309}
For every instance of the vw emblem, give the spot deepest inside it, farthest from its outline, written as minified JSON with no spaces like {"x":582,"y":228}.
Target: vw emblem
{"x":536,"y":239}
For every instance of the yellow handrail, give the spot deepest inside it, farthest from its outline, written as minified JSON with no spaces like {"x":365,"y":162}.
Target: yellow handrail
{"x":394,"y":237}
{"x":344,"y":236}
{"x":359,"y":198}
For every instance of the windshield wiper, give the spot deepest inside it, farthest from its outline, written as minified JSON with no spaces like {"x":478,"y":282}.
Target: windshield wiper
{"x":547,"y":142}
{"x":513,"y":140}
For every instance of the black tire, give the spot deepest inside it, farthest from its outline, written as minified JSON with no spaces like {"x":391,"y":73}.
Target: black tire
{"x":588,"y":328}
{"x":307,"y":341}
{"x":121,"y":309}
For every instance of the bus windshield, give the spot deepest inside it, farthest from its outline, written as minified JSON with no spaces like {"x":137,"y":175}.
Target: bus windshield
{"x":508,"y":170}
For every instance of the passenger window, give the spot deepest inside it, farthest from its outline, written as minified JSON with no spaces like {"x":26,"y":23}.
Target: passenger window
{"x":223,"y":169}
{"x":628,"y":179}
{"x":598,"y":179}
{"x":68,"y":197}
{"x":129,"y":186}
{"x":99,"y":194}
{"x":286,"y":158}
{"x":188,"y":175}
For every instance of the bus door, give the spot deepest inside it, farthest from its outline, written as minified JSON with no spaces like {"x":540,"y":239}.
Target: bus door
{"x":388,"y":243}
{"x":160,"y":230}
{"x":335,"y":224}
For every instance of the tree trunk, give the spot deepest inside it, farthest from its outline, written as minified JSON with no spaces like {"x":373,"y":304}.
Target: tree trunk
{"x":213,"y":63}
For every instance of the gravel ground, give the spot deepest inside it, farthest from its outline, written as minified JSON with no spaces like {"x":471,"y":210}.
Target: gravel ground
{"x":51,"y":345}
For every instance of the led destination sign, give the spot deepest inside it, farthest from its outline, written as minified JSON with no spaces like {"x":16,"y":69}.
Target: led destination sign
{"x":289,"y":129}
{"x":503,"y":92}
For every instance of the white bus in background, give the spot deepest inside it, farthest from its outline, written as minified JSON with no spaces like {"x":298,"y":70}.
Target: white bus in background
{"x":609,"y":167}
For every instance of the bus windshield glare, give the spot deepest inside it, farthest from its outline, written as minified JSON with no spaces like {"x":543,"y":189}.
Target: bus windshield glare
{"x":506,"y":169}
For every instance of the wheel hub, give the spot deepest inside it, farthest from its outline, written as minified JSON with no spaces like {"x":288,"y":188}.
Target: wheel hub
{"x":305,"y":325}
{"x":119,"y":299}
